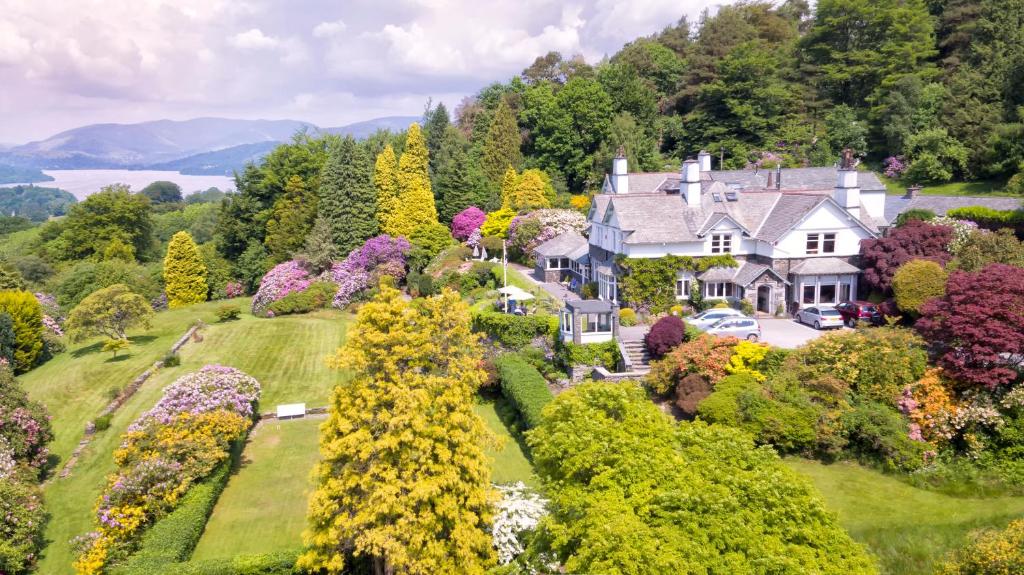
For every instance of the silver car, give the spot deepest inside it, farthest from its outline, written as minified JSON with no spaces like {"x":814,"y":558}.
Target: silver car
{"x":820,"y":317}
{"x":707,"y":318}
{"x":742,"y":327}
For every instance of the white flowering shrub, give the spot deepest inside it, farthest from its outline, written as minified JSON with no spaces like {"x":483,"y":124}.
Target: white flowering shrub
{"x":961,"y":231}
{"x":519,"y":510}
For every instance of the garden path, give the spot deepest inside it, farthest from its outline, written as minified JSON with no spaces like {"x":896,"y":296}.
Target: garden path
{"x":557,"y":291}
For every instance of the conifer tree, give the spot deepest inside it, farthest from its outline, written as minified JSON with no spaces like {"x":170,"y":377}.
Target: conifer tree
{"x":184,"y":272}
{"x":347,"y":198}
{"x":533,"y":191}
{"x":415,"y":198}
{"x":403,"y":481}
{"x":385,"y":180}
{"x":458,"y":180}
{"x":435,"y":124}
{"x":501,"y":148}
{"x":291,"y":219}
{"x":508,"y":187}
{"x":320,"y":251}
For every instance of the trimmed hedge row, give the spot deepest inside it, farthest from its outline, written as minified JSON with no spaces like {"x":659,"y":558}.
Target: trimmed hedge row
{"x":605,"y":354}
{"x":173,"y":538}
{"x":515,"y":331}
{"x":280,"y":563}
{"x":989,"y":218}
{"x":524,"y":387}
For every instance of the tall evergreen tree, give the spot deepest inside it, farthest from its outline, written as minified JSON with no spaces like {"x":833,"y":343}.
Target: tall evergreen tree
{"x":502,"y":147}
{"x":184,"y":272}
{"x":347,"y":197}
{"x":415,"y":198}
{"x":509,"y":183}
{"x":385,"y":180}
{"x":458,"y":180}
{"x":290,"y":220}
{"x":319,"y":250}
{"x":435,"y":126}
{"x":403,"y":482}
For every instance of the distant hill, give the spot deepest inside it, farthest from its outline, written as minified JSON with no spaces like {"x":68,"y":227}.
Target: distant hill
{"x":367,"y":128}
{"x":19,"y":175}
{"x":219,"y":163}
{"x":201,"y":146}
{"x":137,"y":145}
{"x":33,"y":203}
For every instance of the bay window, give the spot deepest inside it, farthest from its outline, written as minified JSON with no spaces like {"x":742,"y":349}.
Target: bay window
{"x":718,"y":290}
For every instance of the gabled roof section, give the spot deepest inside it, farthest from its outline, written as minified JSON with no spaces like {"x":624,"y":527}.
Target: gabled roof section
{"x":749,"y":272}
{"x":717,"y":218}
{"x":792,"y":209}
{"x":567,"y":244}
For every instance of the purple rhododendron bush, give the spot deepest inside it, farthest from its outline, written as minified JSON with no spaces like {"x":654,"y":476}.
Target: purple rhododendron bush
{"x":165,"y":451}
{"x":377,"y":257}
{"x":466,"y":222}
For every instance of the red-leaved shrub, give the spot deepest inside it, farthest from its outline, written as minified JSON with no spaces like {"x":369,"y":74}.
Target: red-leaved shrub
{"x":914,"y":240}
{"x":667,"y":333}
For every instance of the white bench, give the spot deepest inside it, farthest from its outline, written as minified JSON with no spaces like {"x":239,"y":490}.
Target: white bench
{"x":291,"y":410}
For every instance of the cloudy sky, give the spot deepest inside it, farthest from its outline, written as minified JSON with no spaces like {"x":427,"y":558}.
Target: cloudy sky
{"x":65,"y":63}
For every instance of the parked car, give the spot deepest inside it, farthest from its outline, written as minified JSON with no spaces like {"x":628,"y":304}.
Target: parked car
{"x":742,"y":327}
{"x":820,"y":317}
{"x":854,"y":311}
{"x":707,"y":318}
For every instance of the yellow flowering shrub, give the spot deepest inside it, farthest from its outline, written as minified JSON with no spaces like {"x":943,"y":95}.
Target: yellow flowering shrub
{"x":991,"y":553}
{"x":746,"y":357}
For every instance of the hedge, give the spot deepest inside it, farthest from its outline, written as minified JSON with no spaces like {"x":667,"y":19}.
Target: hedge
{"x":524,"y":387}
{"x":279,"y":563}
{"x":605,"y":354}
{"x":989,"y":218}
{"x":173,"y":538}
{"x":515,"y":331}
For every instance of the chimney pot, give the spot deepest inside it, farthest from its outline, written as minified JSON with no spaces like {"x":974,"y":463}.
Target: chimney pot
{"x":778,"y":177}
{"x":771,"y":179}
{"x":913,"y":192}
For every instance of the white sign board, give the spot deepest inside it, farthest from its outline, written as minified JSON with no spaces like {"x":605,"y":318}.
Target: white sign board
{"x":290,"y":410}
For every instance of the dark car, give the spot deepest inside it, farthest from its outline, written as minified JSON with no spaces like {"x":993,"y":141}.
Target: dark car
{"x":854,"y":311}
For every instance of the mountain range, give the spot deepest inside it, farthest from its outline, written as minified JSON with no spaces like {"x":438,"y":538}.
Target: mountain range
{"x":197,"y":146}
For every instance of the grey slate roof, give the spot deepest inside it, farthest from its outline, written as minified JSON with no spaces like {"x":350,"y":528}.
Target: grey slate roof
{"x":749,"y":272}
{"x":895,"y":205}
{"x":589,"y":305}
{"x":718,"y":274}
{"x":788,"y":211}
{"x":563,"y":245}
{"x":824,"y":266}
{"x":796,"y":179}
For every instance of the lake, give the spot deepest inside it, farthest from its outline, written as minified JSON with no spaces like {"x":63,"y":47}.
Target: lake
{"x":81,"y":183}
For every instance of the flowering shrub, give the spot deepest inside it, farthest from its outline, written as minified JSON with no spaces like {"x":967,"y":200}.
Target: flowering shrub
{"x":22,"y":519}
{"x":234,"y":289}
{"x":930,"y":406}
{"x":519,"y":511}
{"x":894,"y":166}
{"x":705,"y":356}
{"x":990,"y":553}
{"x":961,"y":231}
{"x":49,"y":305}
{"x":474,"y":238}
{"x":52,"y":326}
{"x":280,"y":281}
{"x":529,"y":230}
{"x":164,"y":452}
{"x":378,"y":257}
{"x":467,"y":221}
{"x":746,"y":358}
{"x":24,"y":424}
{"x":766,"y":160}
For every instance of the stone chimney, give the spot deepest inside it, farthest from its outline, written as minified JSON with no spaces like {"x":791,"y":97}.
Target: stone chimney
{"x":847,"y":192}
{"x":913,"y":192}
{"x":620,"y":173}
{"x":704,"y":159}
{"x":778,"y":177}
{"x":689,"y":188}
{"x":771,"y":179}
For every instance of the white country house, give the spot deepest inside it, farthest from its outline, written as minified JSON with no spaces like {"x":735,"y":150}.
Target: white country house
{"x":795,"y":232}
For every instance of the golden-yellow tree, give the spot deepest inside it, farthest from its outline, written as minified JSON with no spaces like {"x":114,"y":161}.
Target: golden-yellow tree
{"x":184,"y":272}
{"x":403,"y":481}
{"x":385,"y":179}
{"x":415,"y":197}
{"x":530,"y":190}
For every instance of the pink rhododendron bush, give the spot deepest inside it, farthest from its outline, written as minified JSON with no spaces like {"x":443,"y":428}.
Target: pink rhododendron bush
{"x":181,"y":441}
{"x":283,"y":279}
{"x":466,"y":222}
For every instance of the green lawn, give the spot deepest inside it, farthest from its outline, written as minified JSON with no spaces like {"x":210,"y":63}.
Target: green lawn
{"x":509,"y":462}
{"x":980,"y":188}
{"x":285,"y":354}
{"x":263,"y":509}
{"x":907,"y":528}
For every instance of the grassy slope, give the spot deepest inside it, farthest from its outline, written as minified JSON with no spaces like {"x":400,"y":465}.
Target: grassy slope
{"x":509,"y":461}
{"x":285,"y":354}
{"x":981,"y":188}
{"x":252,"y":518}
{"x":909,"y":529}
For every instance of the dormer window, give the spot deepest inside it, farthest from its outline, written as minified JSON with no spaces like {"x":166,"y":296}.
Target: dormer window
{"x":821,"y":244}
{"x":721,"y":243}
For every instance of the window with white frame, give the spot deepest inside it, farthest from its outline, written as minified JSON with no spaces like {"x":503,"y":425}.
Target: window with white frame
{"x":721,"y":243}
{"x":820,"y":243}
{"x":596,"y":323}
{"x":682,"y":288}
{"x":558,"y":263}
{"x":718,"y":289}
{"x":566,"y":322}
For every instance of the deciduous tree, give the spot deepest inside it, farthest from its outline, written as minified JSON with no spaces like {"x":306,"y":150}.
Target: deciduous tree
{"x":915,"y":240}
{"x":114,"y":212}
{"x":109,"y":312}
{"x":978,"y":325}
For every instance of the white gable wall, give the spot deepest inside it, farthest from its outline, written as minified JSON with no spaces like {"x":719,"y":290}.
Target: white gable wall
{"x":824,"y":219}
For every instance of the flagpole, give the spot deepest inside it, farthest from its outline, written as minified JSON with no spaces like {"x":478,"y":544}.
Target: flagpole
{"x":504,"y":268}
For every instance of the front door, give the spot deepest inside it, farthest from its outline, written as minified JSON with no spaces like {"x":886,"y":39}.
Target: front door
{"x":764,"y":299}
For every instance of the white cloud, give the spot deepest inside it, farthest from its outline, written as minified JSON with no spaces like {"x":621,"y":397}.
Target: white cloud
{"x":328,"y":29}
{"x":13,"y":48}
{"x":253,"y":39}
